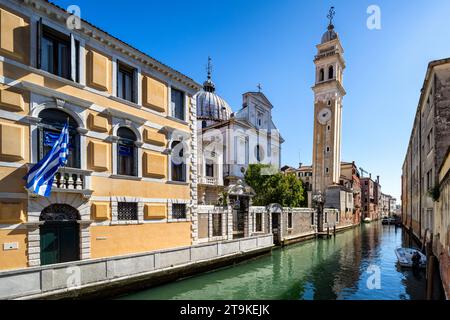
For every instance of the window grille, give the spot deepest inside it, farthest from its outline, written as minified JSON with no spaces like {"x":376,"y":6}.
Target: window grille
{"x":217,"y":224}
{"x":290,"y":220}
{"x":127,"y":211}
{"x":178,"y":211}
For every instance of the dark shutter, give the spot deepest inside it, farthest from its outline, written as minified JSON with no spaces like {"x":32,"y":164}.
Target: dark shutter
{"x":39,"y":44}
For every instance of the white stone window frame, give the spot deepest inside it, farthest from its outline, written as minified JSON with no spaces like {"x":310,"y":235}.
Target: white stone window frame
{"x":170,"y":218}
{"x":223,"y":225}
{"x":115,"y":210}
{"x":137,"y":85}
{"x":182,"y":137}
{"x":63,"y":30}
{"x":39,"y":103}
{"x":170,"y":110}
{"x":137,"y":130}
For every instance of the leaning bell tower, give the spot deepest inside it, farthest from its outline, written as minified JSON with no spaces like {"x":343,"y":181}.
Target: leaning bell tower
{"x":328,"y":95}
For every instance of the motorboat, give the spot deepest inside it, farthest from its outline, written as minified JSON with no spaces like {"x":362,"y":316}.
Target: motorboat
{"x":367,"y":220}
{"x":404,"y":256}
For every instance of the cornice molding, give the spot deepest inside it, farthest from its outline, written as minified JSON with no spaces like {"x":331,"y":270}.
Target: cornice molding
{"x":58,"y":14}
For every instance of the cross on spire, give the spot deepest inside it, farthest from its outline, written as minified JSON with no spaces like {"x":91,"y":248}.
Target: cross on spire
{"x":209,"y":68}
{"x":259,"y":86}
{"x":330,"y":15}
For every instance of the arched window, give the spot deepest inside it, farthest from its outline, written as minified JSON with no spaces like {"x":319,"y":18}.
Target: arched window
{"x":321,"y":75}
{"x":178,"y":162}
{"x":49,"y":129}
{"x":126,"y":152}
{"x":204,"y":124}
{"x":330,"y":72}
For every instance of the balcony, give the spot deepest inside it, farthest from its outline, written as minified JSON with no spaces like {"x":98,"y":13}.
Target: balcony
{"x":209,"y":181}
{"x":72,"y":180}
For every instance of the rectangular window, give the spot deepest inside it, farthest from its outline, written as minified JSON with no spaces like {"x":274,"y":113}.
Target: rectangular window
{"x":125,"y":82}
{"x":178,"y":211}
{"x":55,"y":53}
{"x":209,"y":168}
{"x":178,"y":166}
{"x":258,"y":222}
{"x":177,"y":100}
{"x":217,"y":225}
{"x":313,"y":222}
{"x":289,"y":220}
{"x":326,"y":217}
{"x":127,"y":211}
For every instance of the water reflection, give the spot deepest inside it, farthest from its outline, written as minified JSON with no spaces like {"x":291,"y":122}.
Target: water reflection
{"x":320,"y":270}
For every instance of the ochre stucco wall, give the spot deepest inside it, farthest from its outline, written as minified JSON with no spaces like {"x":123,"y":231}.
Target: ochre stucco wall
{"x":13,"y":259}
{"x":107,"y":241}
{"x":118,"y":187}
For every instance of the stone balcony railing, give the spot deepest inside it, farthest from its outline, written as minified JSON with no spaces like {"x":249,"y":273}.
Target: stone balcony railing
{"x":73,"y":180}
{"x":210,"y":181}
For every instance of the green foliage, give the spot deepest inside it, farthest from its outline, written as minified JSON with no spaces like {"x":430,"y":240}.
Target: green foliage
{"x":223,"y":199}
{"x":435,"y":193}
{"x":285,"y":190}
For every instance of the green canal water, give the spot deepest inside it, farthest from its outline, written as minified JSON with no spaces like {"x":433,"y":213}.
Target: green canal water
{"x":338,"y":268}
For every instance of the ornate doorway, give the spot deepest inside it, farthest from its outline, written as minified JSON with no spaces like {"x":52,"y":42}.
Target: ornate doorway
{"x":60,"y":234}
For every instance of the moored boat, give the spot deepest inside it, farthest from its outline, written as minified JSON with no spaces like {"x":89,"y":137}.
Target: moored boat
{"x":367,"y":220}
{"x":404,"y":256}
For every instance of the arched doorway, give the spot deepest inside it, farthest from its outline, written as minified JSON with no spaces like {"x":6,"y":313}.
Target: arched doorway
{"x":60,"y":234}
{"x":239,"y":197}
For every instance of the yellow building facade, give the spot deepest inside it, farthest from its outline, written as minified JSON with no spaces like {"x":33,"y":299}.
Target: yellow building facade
{"x":129,"y":116}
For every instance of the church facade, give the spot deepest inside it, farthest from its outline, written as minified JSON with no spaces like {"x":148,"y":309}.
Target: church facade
{"x":229,"y":141}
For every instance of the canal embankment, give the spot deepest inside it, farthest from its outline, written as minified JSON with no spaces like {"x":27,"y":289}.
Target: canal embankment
{"x":102,"y":278}
{"x":357,"y":264}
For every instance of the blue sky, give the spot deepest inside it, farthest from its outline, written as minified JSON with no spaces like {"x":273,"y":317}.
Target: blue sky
{"x":272,"y":42}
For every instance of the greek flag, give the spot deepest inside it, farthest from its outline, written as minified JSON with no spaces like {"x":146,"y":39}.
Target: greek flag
{"x":40,"y":177}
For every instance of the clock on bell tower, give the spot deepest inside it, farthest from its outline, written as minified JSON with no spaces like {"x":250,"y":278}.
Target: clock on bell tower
{"x":328,"y":94}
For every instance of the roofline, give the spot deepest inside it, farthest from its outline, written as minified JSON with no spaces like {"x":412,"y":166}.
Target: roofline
{"x":431,"y":66}
{"x":159,"y":66}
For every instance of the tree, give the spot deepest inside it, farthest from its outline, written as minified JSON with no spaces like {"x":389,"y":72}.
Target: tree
{"x":285,"y":190}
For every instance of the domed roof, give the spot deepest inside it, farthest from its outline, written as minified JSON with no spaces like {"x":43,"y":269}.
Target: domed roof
{"x":211,"y":106}
{"x":329,"y":35}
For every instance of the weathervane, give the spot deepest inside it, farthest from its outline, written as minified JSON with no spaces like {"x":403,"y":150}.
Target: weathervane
{"x":331,"y":15}
{"x":209,"y":68}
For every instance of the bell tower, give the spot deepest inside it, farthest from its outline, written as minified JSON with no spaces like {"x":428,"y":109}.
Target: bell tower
{"x":328,"y":95}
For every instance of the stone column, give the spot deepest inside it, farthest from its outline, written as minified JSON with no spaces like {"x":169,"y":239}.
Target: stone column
{"x":85,"y":239}
{"x":229,"y":215}
{"x":34,"y":243}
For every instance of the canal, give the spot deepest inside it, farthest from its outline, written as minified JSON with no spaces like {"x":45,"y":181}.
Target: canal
{"x":344,"y":268}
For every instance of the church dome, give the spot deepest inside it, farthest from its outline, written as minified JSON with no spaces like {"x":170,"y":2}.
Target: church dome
{"x":211,"y":106}
{"x":329,"y":35}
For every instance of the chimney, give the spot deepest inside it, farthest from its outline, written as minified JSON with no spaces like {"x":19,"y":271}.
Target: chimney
{"x":370,"y":176}
{"x":378,"y":179}
{"x":300,"y":165}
